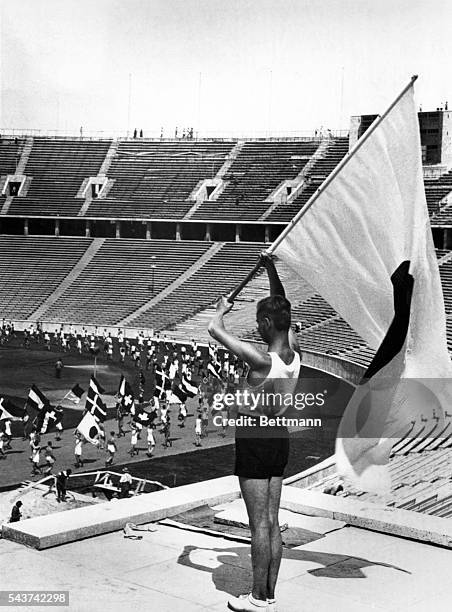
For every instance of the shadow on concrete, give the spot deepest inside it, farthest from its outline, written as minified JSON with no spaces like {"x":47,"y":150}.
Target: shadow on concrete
{"x":231,"y":567}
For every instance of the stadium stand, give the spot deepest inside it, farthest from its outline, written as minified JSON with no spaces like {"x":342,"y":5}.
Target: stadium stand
{"x":31,"y":268}
{"x":118,"y":279}
{"x":323,"y":166}
{"x":445,"y":271}
{"x":420,"y":477}
{"x":57,"y":168}
{"x":201,"y":289}
{"x":154,"y":179}
{"x":259,"y":168}
{"x":313,"y":311}
{"x":435,"y":191}
{"x":10,"y":151}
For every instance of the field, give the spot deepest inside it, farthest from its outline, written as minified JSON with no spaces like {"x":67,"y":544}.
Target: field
{"x":178,"y":464}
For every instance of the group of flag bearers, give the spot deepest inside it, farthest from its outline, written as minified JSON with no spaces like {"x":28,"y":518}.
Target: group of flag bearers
{"x":173,"y":385}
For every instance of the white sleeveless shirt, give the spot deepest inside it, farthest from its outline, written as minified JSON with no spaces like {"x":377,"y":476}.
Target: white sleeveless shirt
{"x":281,"y":380}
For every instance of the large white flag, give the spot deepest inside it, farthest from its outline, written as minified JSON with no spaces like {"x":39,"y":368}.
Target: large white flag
{"x":369,"y":219}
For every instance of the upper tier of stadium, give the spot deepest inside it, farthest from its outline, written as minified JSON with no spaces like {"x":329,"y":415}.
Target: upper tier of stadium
{"x":262,"y":181}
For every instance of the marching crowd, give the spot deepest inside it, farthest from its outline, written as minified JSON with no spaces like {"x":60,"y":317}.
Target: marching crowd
{"x":178,"y":372}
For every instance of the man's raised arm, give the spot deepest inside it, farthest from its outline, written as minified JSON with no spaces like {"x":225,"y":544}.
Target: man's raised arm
{"x":256,"y":359}
{"x":276,"y":286}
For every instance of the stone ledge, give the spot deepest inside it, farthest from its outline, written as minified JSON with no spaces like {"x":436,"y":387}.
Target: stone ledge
{"x":71,"y":525}
{"x":394,"y":521}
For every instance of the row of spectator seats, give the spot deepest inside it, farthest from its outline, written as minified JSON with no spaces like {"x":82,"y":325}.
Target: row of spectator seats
{"x":218,"y":276}
{"x":32,"y":268}
{"x":445,"y":271}
{"x":120,"y":279}
{"x":312,"y":311}
{"x":10,"y":151}
{"x":323,"y":166}
{"x":154,"y":179}
{"x":435,"y":191}
{"x":421,"y":481}
{"x":259,"y":168}
{"x":58,"y":168}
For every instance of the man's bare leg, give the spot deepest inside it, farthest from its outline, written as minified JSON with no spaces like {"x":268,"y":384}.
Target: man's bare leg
{"x":255,"y":492}
{"x":275,"y":486}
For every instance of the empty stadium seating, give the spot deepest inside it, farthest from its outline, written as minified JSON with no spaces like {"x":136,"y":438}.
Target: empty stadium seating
{"x":58,"y":168}
{"x":203,"y":287}
{"x":445,"y":271}
{"x":32,"y":268}
{"x":435,"y":191}
{"x":119,"y":278}
{"x":337,"y":149}
{"x":258,"y":169}
{"x":10,"y":150}
{"x":420,"y":480}
{"x":154,"y":179}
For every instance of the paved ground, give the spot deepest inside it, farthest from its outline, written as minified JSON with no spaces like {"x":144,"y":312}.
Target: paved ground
{"x":171,"y":570}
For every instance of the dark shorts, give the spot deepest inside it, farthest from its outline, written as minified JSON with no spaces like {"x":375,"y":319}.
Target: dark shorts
{"x":261,"y":457}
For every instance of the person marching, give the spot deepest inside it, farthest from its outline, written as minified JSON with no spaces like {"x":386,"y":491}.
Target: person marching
{"x":111,"y":449}
{"x":49,"y":458}
{"x":120,"y":419}
{"x":150,"y":440}
{"x":35,"y":455}
{"x":78,"y":450}
{"x":182,"y":415}
{"x":167,"y":433}
{"x":2,"y":452}
{"x":133,"y":441}
{"x":198,"y":430}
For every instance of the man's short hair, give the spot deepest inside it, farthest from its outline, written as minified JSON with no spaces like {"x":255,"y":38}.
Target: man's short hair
{"x":277,"y":308}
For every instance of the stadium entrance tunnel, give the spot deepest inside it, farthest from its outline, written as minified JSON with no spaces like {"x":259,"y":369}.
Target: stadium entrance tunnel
{"x":193,"y":231}
{"x":133,"y":229}
{"x":41,"y":227}
{"x":102,"y":229}
{"x":12,"y":225}
{"x":72,"y":227}
{"x":224,"y":232}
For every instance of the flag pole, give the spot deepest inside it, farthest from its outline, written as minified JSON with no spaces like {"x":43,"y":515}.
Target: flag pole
{"x":289,"y":227}
{"x":245,"y":281}
{"x":344,"y":161}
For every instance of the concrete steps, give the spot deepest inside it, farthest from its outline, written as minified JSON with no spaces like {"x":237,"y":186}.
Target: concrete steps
{"x":219,"y":175}
{"x":20,"y":170}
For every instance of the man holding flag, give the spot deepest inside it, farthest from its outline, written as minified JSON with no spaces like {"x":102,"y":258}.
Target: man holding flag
{"x":367,"y":248}
{"x":262,"y":452}
{"x":95,"y":413}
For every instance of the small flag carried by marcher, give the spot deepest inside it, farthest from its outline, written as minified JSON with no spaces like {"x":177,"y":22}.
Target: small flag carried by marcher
{"x":75,"y":394}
